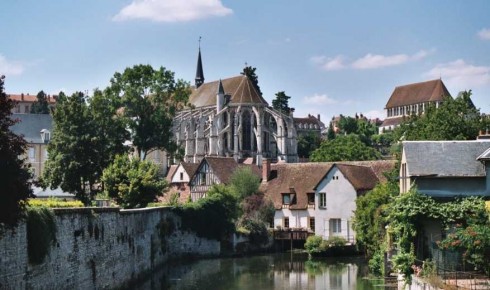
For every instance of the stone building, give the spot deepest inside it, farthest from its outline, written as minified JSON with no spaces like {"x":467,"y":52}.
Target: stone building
{"x":412,"y":99}
{"x":230,"y":118}
{"x":309,"y":125}
{"x":23,"y":102}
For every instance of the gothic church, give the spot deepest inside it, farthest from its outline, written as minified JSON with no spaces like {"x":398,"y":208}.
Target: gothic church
{"x":230,"y":118}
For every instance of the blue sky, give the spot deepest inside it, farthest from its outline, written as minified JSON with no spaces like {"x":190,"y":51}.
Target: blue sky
{"x":331,"y":57}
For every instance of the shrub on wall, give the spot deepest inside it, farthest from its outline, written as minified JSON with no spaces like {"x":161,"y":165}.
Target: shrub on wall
{"x":53,"y":203}
{"x":41,"y":233}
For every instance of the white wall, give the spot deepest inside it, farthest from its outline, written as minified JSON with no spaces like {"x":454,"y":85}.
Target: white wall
{"x":297,"y":218}
{"x":176,"y":178}
{"x":341,"y":197}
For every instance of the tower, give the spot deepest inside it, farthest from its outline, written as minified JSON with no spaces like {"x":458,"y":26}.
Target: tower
{"x":199,"y":72}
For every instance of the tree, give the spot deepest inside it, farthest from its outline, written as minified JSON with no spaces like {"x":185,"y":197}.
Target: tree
{"x":40,"y":106}
{"x":347,"y":125}
{"x":250,"y":73}
{"x":455,"y":119}
{"x":244,"y":183}
{"x":15,"y":186}
{"x":132,"y":182}
{"x":150,"y":99}
{"x":281,"y":103}
{"x":73,"y":160}
{"x":344,"y":148}
{"x":308,"y":143}
{"x":330,"y":131}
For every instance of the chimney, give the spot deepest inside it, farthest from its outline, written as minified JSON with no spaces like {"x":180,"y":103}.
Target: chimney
{"x":318,"y":117}
{"x":22,"y":96}
{"x":266,"y":169}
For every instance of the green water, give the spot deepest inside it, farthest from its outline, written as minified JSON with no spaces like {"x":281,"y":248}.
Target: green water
{"x":275,"y":271}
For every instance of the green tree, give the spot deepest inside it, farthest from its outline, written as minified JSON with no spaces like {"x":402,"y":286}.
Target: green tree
{"x":347,"y":125}
{"x":330,"y":132}
{"x":73,"y":162}
{"x":132,"y":182}
{"x":40,"y":106}
{"x":455,"y":119}
{"x":308,"y":143}
{"x":250,"y":73}
{"x":281,"y":103}
{"x":244,"y":182}
{"x":344,"y":148}
{"x":150,"y":99}
{"x":15,"y":186}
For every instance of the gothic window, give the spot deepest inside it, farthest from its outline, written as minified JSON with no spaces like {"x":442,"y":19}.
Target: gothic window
{"x":246,"y":131}
{"x":225,"y":119}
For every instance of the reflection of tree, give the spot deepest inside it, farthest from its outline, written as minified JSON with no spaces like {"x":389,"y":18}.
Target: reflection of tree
{"x":317,"y":267}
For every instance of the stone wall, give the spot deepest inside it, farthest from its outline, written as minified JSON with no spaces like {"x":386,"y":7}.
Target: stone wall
{"x":99,"y":248}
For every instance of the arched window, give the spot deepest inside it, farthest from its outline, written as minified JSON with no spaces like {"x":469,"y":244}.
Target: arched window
{"x":246,"y":131}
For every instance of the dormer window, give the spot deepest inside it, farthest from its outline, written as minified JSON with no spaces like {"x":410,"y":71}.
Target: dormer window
{"x":45,"y":135}
{"x":286,"y":199}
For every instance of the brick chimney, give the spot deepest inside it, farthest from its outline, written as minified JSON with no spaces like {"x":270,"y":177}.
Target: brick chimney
{"x":266,"y":169}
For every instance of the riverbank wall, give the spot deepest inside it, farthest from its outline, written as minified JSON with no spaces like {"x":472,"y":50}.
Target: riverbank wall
{"x":99,"y":248}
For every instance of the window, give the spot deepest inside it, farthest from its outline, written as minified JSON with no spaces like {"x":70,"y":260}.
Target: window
{"x":285,"y":222}
{"x":46,"y":154}
{"x":335,"y":226}
{"x":32,"y":153}
{"x":312,"y":224}
{"x":311,"y":198}
{"x":323,"y":199}
{"x":26,"y":109}
{"x":182,"y":176}
{"x":203,"y":178}
{"x":286,"y":199}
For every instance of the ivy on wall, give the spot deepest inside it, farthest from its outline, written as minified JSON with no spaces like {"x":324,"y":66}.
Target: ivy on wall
{"x":41,"y":233}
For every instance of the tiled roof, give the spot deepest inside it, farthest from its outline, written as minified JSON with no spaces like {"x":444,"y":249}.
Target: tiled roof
{"x":240,"y":89}
{"x":309,"y":120}
{"x":304,"y":177}
{"x":190,"y":168}
{"x":30,"y":126}
{"x":30,"y":98}
{"x":392,"y":121}
{"x":429,"y":91}
{"x":171,"y":172}
{"x":445,"y":158}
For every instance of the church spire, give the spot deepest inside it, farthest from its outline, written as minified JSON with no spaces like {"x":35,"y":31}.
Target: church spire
{"x":199,"y":72}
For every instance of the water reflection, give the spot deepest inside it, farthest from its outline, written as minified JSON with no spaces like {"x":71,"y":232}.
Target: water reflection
{"x":279,"y":271}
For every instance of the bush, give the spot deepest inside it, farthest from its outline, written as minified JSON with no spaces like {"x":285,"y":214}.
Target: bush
{"x":376,"y":264}
{"x":336,"y":242}
{"x":314,"y":245}
{"x":41,"y":233}
{"x":53,"y":203}
{"x":132,"y":182}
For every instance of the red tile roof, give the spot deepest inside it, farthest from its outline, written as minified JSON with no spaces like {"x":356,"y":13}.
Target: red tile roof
{"x":429,"y":91}
{"x":30,"y":98}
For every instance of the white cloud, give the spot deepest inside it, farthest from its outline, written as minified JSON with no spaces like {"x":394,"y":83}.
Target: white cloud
{"x":317,"y":99}
{"x":484,"y":34}
{"x":369,"y":61}
{"x":8,"y":67}
{"x":460,"y":74}
{"x":172,"y":10}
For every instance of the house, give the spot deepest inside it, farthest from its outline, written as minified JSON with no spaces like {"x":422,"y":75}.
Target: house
{"x":308,"y":125}
{"x":230,"y":118}
{"x":320,"y":197}
{"x":214,"y":170}
{"x":444,"y":169}
{"x":24,"y":102}
{"x":36,"y":130}
{"x":179,"y":177}
{"x":412,"y":99}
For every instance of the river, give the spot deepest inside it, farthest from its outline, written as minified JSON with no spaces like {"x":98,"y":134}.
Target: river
{"x":264,"y":272}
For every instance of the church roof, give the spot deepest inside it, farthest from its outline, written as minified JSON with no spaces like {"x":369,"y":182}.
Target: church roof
{"x":429,"y":91}
{"x":240,"y":89}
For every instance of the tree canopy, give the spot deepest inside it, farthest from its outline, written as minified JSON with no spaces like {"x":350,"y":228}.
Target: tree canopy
{"x":15,"y":186}
{"x":344,"y":148}
{"x":281,"y":103}
{"x":454,"y":119}
{"x":307,"y":143}
{"x":40,"y":106}
{"x":149,"y":99}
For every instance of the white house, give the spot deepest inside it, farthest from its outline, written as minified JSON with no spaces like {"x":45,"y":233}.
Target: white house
{"x":320,"y":197}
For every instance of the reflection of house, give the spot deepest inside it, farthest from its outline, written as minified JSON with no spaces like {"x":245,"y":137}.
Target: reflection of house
{"x":412,"y":99}
{"x":320,"y":196}
{"x":445,"y":168}
{"x":214,"y":170}
{"x":36,"y":130}
{"x":24,"y":102}
{"x":230,"y":118}
{"x":178,"y":177}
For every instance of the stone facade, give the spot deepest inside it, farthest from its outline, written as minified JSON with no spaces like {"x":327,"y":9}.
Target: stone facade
{"x":98,"y":249}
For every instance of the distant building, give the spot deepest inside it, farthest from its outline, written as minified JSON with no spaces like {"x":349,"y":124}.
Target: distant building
{"x":24,"y":102}
{"x":310,"y":124}
{"x":36,"y":130}
{"x":179,"y":177}
{"x":412,"y":99}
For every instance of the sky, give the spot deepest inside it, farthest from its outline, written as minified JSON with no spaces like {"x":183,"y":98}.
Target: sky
{"x":331,"y":57}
